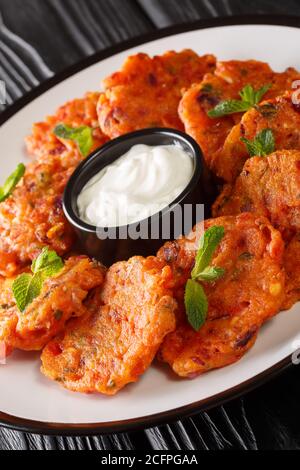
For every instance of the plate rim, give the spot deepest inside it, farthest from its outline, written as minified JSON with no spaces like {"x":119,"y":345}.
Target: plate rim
{"x":76,"y":429}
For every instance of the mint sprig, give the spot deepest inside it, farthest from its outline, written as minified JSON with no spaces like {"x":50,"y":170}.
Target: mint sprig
{"x":249,"y":98}
{"x":82,"y":135}
{"x":195,"y":303}
{"x":263,"y":144}
{"x":195,"y":299}
{"x":11,"y":182}
{"x":27,"y":287}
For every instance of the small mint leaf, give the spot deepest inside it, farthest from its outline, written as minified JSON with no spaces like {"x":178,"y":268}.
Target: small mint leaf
{"x":249,"y":98}
{"x":48,"y":263}
{"x":207,"y":246}
{"x":259,"y":94}
{"x":196,"y":304}
{"x":262,"y":145}
{"x":82,"y":135}
{"x":228,"y":107}
{"x":25,"y":289}
{"x":11,"y":182}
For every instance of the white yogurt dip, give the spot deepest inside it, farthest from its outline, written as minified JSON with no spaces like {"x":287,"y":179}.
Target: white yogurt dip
{"x":136,"y":186}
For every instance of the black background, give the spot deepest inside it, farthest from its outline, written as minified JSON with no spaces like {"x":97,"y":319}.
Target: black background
{"x":41,"y":37}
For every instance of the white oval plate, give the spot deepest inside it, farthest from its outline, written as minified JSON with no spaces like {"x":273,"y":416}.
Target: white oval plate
{"x":30,"y":401}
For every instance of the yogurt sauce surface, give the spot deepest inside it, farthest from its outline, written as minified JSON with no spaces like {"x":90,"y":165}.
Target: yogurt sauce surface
{"x":137,"y":185}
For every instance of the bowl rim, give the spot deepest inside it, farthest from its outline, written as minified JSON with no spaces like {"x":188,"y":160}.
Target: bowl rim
{"x":68,"y":196}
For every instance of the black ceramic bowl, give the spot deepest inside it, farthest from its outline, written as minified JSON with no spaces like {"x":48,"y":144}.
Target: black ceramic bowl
{"x":112,"y":245}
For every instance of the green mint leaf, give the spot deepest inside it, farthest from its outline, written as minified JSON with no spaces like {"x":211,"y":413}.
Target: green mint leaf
{"x":253,"y":148}
{"x":249,"y":98}
{"x":247,"y":94}
{"x":26,"y":288}
{"x":211,"y":273}
{"x":196,"y":304}
{"x":228,"y":107}
{"x":207,"y":246}
{"x":11,"y":182}
{"x":262,"y":145}
{"x":82,"y":135}
{"x":48,"y":263}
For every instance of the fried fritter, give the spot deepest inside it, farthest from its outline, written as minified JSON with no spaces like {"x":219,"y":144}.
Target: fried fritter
{"x":280,"y":115}
{"x":146,"y":91}
{"x":61,"y":298}
{"x":270,"y":186}
{"x":219,"y":343}
{"x":6,"y":303}
{"x":292,"y":269}
{"x":32,"y":216}
{"x":43,"y":144}
{"x":250,"y":292}
{"x":225,"y":84}
{"x":117,"y":342}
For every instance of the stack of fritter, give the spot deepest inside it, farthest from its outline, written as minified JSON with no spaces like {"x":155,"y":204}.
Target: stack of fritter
{"x":101,"y":329}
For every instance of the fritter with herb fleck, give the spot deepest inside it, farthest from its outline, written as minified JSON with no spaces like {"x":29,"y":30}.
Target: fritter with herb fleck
{"x":250,"y":292}
{"x":146,"y":91}
{"x":117,"y":342}
{"x":270,"y":186}
{"x":279,"y":115}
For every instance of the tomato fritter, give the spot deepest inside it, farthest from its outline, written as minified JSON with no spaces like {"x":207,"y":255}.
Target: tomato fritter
{"x":146,"y":91}
{"x":225,"y":83}
{"x":270,"y":186}
{"x":32,"y":216}
{"x":61,"y":298}
{"x":43,"y":144}
{"x":280,"y":115}
{"x":117,"y":342}
{"x":250,"y":292}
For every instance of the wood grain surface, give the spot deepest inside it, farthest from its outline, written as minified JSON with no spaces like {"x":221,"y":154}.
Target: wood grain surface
{"x":38,"y":39}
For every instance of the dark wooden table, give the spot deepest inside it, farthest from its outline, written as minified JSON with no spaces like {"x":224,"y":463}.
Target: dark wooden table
{"x":38,"y":39}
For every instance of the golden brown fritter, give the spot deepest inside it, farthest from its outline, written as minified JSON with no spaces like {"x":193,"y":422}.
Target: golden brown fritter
{"x":117,"y":342}
{"x":146,"y":91}
{"x":43,"y":144}
{"x":32,"y":216}
{"x":280,"y":115}
{"x":219,"y":343}
{"x":61,"y":298}
{"x":270,"y":186}
{"x":292,"y":269}
{"x":225,"y":84}
{"x":250,"y":292}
